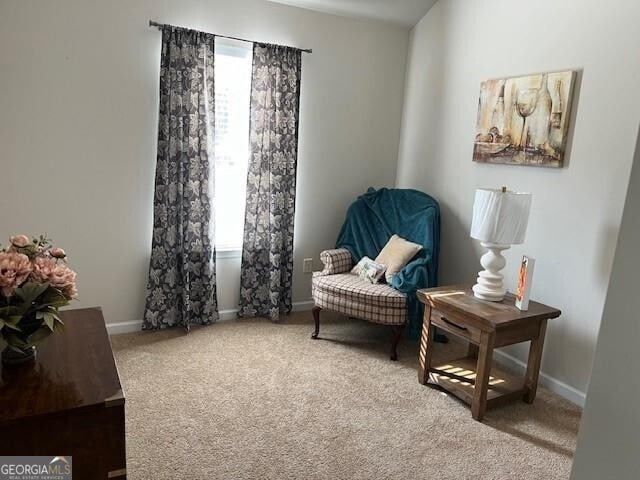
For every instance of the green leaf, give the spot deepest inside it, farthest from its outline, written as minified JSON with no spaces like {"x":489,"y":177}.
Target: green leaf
{"x":30,"y":291}
{"x":53,"y":311}
{"x":1,"y":323}
{"x":12,"y":322}
{"x":9,"y":310}
{"x":41,"y":333}
{"x":49,"y":319}
{"x":23,"y":308}
{"x":62,"y":302}
{"x":53,"y":298}
{"x":12,"y":326}
{"x":16,"y":341}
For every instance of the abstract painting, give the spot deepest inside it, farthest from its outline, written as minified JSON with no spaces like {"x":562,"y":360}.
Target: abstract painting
{"x":524,"y":120}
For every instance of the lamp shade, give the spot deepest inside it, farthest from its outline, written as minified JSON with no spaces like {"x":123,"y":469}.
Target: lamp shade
{"x":500,"y":217}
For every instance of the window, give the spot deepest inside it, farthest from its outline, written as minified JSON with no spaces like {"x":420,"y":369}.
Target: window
{"x":232,"y":91}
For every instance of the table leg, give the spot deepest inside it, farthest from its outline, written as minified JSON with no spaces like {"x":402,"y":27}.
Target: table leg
{"x":483,"y":370}
{"x":533,"y":365}
{"x":472,"y":350}
{"x":426,"y":347}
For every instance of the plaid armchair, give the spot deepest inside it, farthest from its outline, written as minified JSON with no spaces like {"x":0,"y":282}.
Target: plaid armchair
{"x":335,"y":288}
{"x":371,"y":220}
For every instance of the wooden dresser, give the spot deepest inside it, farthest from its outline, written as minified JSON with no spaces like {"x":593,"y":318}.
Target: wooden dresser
{"x":69,"y":402}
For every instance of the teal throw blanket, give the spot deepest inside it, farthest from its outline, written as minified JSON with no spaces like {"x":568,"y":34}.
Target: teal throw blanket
{"x":415,"y":216}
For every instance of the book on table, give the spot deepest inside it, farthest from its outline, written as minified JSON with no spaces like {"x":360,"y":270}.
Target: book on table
{"x":524,"y":282}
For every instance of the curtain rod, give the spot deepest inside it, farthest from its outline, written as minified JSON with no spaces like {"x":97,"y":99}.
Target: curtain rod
{"x":160,"y":25}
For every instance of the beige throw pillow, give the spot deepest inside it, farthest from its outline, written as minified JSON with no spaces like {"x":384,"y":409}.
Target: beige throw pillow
{"x":396,"y":254}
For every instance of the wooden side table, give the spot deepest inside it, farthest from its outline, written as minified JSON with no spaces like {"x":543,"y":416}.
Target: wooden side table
{"x":68,"y":400}
{"x":485,"y":325}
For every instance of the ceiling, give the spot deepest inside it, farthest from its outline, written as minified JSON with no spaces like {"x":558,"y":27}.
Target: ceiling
{"x":402,"y":12}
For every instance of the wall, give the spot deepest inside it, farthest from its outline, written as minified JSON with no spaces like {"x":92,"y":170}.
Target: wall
{"x":576,"y":210}
{"x":78,"y":118}
{"x":609,"y":438}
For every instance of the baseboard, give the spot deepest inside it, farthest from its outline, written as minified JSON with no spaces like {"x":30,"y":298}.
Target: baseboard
{"x":136,"y":325}
{"x":556,"y":386}
{"x":124,"y":327}
{"x":302,"y":306}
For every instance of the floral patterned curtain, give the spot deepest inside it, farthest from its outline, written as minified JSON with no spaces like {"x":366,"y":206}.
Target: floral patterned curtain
{"x":181,"y":289}
{"x":267,"y":252}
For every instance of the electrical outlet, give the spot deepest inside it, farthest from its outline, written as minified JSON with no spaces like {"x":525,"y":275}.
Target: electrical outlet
{"x":307,"y":265}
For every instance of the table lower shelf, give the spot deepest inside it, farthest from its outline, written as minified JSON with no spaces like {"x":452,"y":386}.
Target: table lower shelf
{"x":458,"y":377}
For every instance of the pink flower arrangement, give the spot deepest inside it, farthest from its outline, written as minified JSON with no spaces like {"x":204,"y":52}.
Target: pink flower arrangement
{"x":36,"y":261}
{"x":35,"y":282}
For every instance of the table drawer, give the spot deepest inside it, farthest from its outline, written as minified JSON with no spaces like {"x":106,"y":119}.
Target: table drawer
{"x":454,"y":324}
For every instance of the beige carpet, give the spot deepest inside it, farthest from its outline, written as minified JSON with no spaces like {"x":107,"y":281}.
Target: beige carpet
{"x":249,"y":399}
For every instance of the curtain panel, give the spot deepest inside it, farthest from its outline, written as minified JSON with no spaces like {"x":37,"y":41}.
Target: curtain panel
{"x":267,"y":252}
{"x":181,"y":289}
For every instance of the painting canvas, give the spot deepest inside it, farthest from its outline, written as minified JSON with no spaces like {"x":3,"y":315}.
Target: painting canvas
{"x":524,"y":120}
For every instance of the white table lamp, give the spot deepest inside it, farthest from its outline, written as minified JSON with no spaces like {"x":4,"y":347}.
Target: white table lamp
{"x":500,"y":220}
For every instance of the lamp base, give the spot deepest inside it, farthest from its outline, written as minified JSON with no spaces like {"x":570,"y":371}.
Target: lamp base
{"x":489,"y":283}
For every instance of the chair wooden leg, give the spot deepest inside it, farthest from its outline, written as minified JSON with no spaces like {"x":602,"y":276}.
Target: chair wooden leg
{"x":316,"y":318}
{"x":397,"y":335}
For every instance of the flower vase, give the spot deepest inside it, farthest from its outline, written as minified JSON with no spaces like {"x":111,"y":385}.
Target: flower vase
{"x":19,"y":349}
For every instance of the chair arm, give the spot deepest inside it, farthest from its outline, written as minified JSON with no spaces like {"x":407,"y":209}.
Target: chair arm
{"x":337,"y":260}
